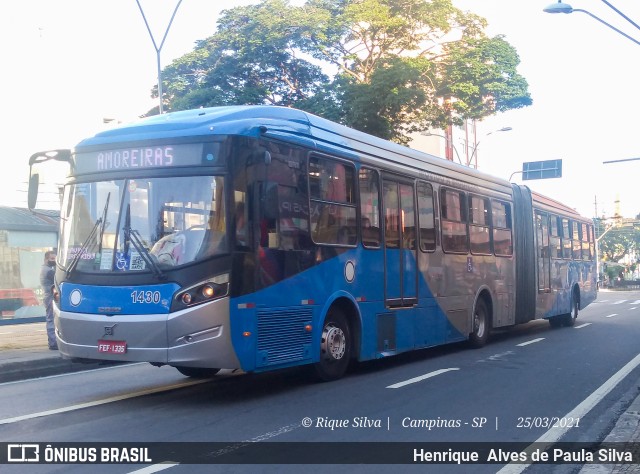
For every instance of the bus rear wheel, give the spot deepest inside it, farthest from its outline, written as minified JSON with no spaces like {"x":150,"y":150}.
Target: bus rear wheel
{"x":197,"y":372}
{"x":481,"y":325}
{"x":335,"y":347}
{"x":570,"y":318}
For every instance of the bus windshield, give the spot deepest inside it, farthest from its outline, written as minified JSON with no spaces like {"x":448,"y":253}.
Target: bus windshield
{"x":142,"y":224}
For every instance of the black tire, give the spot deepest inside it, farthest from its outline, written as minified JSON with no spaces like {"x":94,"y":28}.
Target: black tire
{"x":335,"y":347}
{"x":198,"y":372}
{"x":556,"y":321}
{"x":481,"y":325}
{"x":569,"y":319}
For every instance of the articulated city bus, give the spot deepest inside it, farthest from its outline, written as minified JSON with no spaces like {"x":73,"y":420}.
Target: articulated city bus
{"x":261,"y":237}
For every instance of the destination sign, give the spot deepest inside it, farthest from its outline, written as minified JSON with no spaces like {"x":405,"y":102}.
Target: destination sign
{"x":145,"y":157}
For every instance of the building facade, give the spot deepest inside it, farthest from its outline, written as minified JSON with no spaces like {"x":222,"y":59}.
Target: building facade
{"x":24,"y":238}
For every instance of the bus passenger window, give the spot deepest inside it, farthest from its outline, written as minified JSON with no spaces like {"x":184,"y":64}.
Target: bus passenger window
{"x":502,"y":225}
{"x":426,"y":218}
{"x":575,"y":234}
{"x":584,"y":239}
{"x":554,"y":237}
{"x":369,"y":207}
{"x":454,"y":221}
{"x":332,"y":186}
{"x":566,"y":239}
{"x":592,"y":245}
{"x":479,"y":236}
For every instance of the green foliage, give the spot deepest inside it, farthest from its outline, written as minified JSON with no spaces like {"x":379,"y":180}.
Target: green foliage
{"x":387,"y":67}
{"x":613,"y":271}
{"x":619,"y":242}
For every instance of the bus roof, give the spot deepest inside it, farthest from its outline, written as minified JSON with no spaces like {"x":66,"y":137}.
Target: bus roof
{"x":285,"y":124}
{"x":551,"y":204}
{"x":293,"y":125}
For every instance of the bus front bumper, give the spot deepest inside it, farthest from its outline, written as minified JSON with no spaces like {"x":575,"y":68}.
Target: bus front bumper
{"x":195,"y":337}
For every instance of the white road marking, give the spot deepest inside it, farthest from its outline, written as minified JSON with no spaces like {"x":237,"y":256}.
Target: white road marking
{"x":104,"y":401}
{"x":532,"y":341}
{"x":635,"y":302}
{"x":497,"y":356}
{"x":554,"y":434}
{"x":221,"y":452}
{"x":582,"y":326}
{"x":611,"y":315}
{"x":619,"y":302}
{"x":421,"y":378}
{"x":155,"y":468}
{"x":632,"y":308}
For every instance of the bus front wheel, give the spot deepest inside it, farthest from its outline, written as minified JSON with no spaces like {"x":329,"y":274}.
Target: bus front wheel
{"x":570,"y":318}
{"x":197,"y":372}
{"x":335,"y":347}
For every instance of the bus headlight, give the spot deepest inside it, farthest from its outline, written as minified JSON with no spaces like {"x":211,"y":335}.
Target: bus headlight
{"x":207,"y":290}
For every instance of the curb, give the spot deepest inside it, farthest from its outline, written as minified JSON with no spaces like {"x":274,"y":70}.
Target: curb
{"x":13,"y":371}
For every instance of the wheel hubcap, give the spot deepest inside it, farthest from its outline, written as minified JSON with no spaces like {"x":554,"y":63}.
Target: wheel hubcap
{"x":334,"y":343}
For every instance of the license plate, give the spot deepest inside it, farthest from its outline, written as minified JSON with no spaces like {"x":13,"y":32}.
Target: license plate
{"x":112,"y":347}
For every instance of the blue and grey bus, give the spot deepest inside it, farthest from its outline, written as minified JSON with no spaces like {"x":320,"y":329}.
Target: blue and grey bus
{"x":261,"y":237}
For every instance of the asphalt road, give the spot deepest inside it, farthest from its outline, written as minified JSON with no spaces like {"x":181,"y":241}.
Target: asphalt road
{"x":513,"y":390}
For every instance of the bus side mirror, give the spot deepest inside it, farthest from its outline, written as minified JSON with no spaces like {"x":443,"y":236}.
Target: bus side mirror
{"x":32,"y":196}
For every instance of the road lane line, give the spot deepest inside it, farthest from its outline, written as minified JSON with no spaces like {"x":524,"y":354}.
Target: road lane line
{"x":611,"y":315}
{"x":223,"y":451}
{"x":619,"y":302}
{"x":532,"y":341}
{"x":104,"y":401}
{"x":421,"y":377}
{"x":554,"y":434}
{"x":155,"y":468}
{"x":582,"y":326}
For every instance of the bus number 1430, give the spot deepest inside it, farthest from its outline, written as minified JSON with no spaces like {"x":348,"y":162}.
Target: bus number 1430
{"x":145,"y":297}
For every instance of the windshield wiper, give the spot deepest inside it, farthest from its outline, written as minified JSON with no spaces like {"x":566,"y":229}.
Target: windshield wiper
{"x":133,"y":236}
{"x":136,"y":240}
{"x":104,"y":223}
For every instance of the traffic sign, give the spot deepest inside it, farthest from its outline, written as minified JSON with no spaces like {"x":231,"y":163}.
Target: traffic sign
{"x":542,"y":169}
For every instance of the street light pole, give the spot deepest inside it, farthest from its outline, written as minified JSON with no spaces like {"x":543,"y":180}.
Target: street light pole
{"x":620,"y":161}
{"x":158,"y":49}
{"x":446,"y":140}
{"x":566,"y":8}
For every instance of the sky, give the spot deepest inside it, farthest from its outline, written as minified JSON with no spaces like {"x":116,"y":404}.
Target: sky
{"x":70,"y":64}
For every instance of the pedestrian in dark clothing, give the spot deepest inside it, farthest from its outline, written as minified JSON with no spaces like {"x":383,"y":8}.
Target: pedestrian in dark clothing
{"x":46,"y":281}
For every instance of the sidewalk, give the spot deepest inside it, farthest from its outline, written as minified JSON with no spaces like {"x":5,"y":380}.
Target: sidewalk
{"x":24,"y":354}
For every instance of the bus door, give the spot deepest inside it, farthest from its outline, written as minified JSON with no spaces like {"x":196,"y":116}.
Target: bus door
{"x":401,"y":273}
{"x":544,"y":254}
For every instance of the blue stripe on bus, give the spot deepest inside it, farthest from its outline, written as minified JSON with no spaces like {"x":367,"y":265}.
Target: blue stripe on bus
{"x":111,"y":300}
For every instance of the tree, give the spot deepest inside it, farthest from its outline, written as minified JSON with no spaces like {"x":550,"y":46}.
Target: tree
{"x":619,"y":242}
{"x":387,"y":67}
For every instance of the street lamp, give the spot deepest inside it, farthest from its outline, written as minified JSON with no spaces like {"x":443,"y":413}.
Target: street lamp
{"x":620,"y":161}
{"x":159,"y":48}
{"x":560,"y":7}
{"x":475,"y":148}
